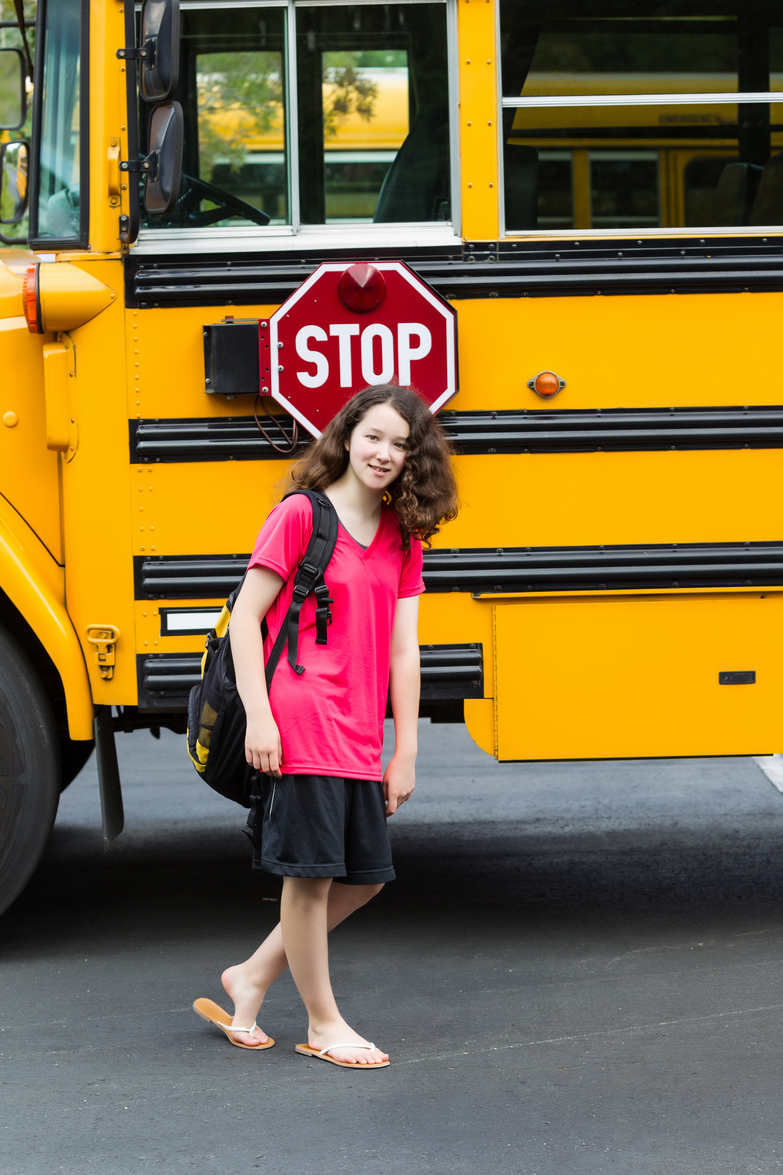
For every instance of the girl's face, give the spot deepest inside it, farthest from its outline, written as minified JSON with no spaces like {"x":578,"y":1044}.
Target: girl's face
{"x":378,"y":447}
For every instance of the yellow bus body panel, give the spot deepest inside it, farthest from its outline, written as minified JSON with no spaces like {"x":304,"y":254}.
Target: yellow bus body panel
{"x":96,"y":507}
{"x":35,"y":584}
{"x":637,"y":676}
{"x":619,"y":351}
{"x":28,"y":470}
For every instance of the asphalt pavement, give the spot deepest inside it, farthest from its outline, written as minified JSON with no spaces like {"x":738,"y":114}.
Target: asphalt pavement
{"x":578,"y":970}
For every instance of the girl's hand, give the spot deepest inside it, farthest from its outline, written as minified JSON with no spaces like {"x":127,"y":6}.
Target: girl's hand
{"x":263,"y":748}
{"x":399,"y":781}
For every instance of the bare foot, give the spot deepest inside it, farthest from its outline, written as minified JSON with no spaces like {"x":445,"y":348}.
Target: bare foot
{"x":342,"y":1033}
{"x":247,"y":998}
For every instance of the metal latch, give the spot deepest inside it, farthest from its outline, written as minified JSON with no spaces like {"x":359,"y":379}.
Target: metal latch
{"x":105,"y":636}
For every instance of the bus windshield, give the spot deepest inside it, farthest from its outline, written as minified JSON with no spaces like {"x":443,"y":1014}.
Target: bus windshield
{"x":58,"y":206}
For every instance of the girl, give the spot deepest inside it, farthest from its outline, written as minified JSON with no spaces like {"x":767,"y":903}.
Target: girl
{"x":383,"y":462}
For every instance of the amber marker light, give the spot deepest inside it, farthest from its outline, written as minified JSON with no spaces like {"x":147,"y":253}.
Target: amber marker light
{"x":31,"y":307}
{"x":546,"y":384}
{"x":362,"y":288}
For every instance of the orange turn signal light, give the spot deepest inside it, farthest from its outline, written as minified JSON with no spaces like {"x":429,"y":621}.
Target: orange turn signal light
{"x":59,"y":296}
{"x":546,"y":384}
{"x":31,"y":301}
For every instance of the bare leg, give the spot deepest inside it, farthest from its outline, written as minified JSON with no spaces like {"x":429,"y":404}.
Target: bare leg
{"x":247,"y":983}
{"x":304,"y":922}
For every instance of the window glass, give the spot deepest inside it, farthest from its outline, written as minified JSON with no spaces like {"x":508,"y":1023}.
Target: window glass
{"x":366,"y":105}
{"x":60,"y":177}
{"x":569,"y":47}
{"x":373,"y":113}
{"x":692,"y":164}
{"x":232,"y":91}
{"x":638,"y":167}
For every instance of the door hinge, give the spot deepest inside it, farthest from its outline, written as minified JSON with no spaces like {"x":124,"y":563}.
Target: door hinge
{"x":105,"y":636}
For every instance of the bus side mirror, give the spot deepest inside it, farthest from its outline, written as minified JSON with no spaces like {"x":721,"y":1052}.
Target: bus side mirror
{"x":13,"y":96}
{"x":160,"y":46}
{"x":14,"y":173}
{"x":164,"y":159}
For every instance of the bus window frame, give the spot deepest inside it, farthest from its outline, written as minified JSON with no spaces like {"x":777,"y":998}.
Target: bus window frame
{"x":168,"y":240}
{"x":82,"y":239}
{"x":735,"y":97}
{"x":732,"y":98}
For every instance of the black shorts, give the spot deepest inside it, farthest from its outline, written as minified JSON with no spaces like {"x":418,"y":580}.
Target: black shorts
{"x":322,"y":826}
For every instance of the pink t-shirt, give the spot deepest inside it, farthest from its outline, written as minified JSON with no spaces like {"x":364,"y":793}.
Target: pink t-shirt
{"x":330,"y":717}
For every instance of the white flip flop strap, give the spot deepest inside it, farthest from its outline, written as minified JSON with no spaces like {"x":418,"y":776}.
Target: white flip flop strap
{"x":352,"y":1045}
{"x":236,"y":1028}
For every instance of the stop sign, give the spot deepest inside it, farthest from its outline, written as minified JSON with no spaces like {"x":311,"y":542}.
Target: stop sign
{"x":353,"y":325}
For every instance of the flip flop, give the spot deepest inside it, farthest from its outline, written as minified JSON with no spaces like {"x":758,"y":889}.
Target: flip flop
{"x":209,"y":1010}
{"x":307,"y":1051}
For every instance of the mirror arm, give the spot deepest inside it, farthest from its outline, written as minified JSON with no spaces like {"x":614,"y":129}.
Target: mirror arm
{"x":148,"y":166}
{"x":129,"y":225}
{"x":148,"y":54}
{"x":136,"y":164}
{"x":22,"y":23}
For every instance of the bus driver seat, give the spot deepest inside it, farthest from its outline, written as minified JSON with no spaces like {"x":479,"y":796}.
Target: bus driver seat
{"x":768,"y":205}
{"x":732,"y":199}
{"x":416,"y":187}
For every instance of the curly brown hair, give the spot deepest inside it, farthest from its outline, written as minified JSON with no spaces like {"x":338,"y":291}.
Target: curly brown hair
{"x":425,"y":493}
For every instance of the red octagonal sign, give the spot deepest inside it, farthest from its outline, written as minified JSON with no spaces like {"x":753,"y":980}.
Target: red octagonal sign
{"x":350,"y":326}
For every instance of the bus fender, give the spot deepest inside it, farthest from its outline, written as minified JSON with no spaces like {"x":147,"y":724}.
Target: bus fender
{"x":35,"y":584}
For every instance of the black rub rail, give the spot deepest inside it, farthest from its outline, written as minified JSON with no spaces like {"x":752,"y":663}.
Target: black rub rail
{"x":448,"y":673}
{"x":533,"y":431}
{"x":579,"y":569}
{"x":512,"y":569}
{"x":205,"y":577}
{"x":481,"y":270}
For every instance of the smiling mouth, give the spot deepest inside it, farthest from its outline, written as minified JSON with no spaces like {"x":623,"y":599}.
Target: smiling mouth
{"x":380,"y":469}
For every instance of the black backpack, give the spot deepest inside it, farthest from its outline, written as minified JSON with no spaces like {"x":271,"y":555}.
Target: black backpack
{"x":216,"y":717}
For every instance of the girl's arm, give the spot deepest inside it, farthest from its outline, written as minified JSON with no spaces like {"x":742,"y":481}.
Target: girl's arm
{"x":263,"y":749}
{"x":404,"y":685}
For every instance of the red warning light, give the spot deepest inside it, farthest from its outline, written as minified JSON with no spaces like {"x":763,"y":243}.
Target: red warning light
{"x":362,"y":288}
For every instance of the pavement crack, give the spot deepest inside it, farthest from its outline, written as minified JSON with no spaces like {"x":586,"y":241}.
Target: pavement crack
{"x":604,"y":1032}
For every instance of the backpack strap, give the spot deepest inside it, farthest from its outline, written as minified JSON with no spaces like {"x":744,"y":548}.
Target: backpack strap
{"x":309,"y":580}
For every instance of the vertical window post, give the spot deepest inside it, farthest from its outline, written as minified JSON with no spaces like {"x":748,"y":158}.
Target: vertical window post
{"x":292,"y":119}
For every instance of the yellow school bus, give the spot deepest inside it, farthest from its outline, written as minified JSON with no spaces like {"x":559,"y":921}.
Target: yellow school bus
{"x":596,"y":189}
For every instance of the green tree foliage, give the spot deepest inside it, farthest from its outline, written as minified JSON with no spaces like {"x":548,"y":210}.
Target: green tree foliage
{"x":350,"y":91}
{"x":240,"y":97}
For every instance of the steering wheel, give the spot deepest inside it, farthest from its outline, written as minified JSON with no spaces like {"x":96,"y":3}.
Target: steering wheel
{"x":192,"y":191}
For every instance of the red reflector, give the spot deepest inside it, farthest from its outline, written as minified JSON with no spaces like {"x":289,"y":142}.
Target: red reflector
{"x":361,"y":288}
{"x":30,"y":299}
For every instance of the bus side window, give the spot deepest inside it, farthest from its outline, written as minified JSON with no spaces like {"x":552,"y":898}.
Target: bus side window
{"x":232,"y":91}
{"x":372,"y":128}
{"x":667,"y":113}
{"x":373,"y":113}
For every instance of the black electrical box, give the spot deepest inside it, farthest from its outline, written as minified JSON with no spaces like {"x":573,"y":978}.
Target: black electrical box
{"x":231,"y":358}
